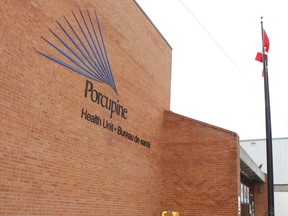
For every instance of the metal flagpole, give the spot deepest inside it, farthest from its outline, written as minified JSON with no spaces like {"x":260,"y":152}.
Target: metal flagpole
{"x":269,"y":151}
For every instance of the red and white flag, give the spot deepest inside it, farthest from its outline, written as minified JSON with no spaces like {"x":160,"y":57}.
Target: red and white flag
{"x":266,"y":46}
{"x":266,"y":43}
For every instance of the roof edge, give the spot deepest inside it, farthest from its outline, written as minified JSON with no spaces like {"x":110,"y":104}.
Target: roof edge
{"x":251,"y":165}
{"x":263,"y":139}
{"x":204,"y":123}
{"x":152,"y":24}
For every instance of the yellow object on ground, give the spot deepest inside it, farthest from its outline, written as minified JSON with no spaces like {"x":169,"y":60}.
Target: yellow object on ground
{"x":170,"y":213}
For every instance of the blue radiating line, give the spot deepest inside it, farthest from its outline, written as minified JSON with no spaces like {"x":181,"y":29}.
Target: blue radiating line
{"x":96,"y":73}
{"x":98,"y":43}
{"x":92,"y":73}
{"x":96,"y":56}
{"x":113,"y":82}
{"x":92,"y":60}
{"x":95,"y":34}
{"x":103,"y":44}
{"x":69,"y":57}
{"x":68,"y":66}
{"x":88,"y":41}
{"x":89,"y":59}
{"x":90,"y":48}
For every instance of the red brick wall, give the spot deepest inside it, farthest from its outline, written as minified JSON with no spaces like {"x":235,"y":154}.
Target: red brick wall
{"x":200,"y":168}
{"x":52,"y":161}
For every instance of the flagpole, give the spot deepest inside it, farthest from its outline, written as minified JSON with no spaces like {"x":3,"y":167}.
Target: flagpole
{"x":269,"y":151}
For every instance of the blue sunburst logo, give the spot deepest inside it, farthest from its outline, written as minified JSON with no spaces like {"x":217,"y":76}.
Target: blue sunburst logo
{"x":84,"y":48}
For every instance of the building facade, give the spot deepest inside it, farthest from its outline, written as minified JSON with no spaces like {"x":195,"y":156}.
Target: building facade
{"x":86,"y":126}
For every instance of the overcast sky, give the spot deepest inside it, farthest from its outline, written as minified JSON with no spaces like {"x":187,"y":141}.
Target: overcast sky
{"x":215,"y":77}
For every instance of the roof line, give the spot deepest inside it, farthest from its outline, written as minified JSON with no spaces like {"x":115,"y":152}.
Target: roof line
{"x":263,"y":139}
{"x":254,"y":170}
{"x":204,"y":123}
{"x":152,"y":24}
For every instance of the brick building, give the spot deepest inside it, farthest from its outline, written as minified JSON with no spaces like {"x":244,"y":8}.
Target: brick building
{"x":86,"y":126}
